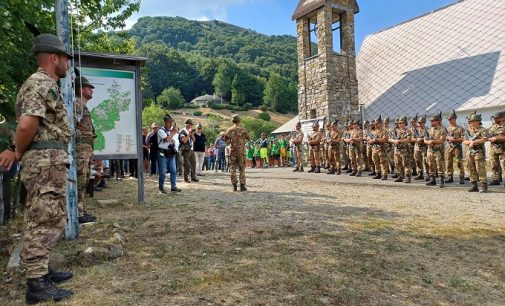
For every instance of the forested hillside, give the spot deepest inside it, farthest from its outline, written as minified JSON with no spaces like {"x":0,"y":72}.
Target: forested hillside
{"x":195,"y":57}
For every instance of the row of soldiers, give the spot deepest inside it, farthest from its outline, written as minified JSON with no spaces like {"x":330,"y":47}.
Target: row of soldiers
{"x":409,"y":152}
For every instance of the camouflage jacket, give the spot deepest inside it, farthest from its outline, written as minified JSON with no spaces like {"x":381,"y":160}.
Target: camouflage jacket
{"x":336,"y":138}
{"x":437,"y":133}
{"x":83,"y":124}
{"x":402,"y":134}
{"x":456,"y":132}
{"x":316,"y":137}
{"x":40,"y":97}
{"x":237,"y":136}
{"x":379,"y":134}
{"x":472,"y":134}
{"x":497,"y":130}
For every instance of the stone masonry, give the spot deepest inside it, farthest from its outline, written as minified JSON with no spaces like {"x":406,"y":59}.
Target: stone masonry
{"x":327,"y":83}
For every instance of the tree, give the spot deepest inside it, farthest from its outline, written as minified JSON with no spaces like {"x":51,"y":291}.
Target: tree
{"x":237,"y":91}
{"x":256,"y":126}
{"x":279,"y":94}
{"x":171,"y":98}
{"x":222,"y":80}
{"x":152,"y":114}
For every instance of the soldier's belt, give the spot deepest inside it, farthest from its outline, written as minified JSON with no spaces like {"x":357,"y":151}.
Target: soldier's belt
{"x":86,"y":140}
{"x":48,"y":145}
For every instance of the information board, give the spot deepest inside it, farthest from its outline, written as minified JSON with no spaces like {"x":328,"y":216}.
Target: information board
{"x":113,"y":111}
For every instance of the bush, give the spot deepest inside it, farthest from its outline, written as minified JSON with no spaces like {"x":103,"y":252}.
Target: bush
{"x":256,"y":126}
{"x":247,"y":106}
{"x":191,"y":106}
{"x":197,"y":113}
{"x":263,"y":108}
{"x":264,"y":116}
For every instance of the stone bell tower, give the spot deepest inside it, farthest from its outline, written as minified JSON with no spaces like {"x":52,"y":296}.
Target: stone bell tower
{"x":327,"y":83}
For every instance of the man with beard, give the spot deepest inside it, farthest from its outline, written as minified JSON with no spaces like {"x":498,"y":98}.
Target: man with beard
{"x":42,"y":138}
{"x":85,"y":139}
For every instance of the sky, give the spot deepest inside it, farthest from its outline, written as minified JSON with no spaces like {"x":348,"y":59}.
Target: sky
{"x":273,"y":17}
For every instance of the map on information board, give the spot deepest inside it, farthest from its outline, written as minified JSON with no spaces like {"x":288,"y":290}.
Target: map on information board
{"x":113,"y":111}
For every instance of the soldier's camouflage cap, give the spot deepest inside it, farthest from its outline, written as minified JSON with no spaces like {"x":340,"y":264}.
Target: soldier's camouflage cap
{"x":422,"y":119}
{"x":402,"y":119}
{"x":436,"y":117}
{"x":499,"y":115}
{"x":413,"y":119}
{"x":189,"y":122}
{"x":235,"y":118}
{"x":386,"y":120}
{"x":49,"y":43}
{"x":335,"y":122}
{"x":378,"y":120}
{"x":81,"y":82}
{"x":475,"y":117}
{"x":397,"y":119}
{"x":367,"y":122}
{"x":355,"y":121}
{"x":452,"y":116}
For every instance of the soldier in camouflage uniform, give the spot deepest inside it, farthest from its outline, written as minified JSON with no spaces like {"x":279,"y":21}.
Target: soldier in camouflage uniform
{"x":315,"y":148}
{"x":345,"y":147}
{"x":421,"y":151}
{"x":364,"y":146}
{"x":454,"y":149}
{"x":236,"y":137}
{"x":392,"y":145}
{"x":369,"y":149}
{"x":402,"y":142}
{"x":413,"y":133}
{"x":85,"y":139}
{"x":42,"y":138}
{"x":324,"y":145}
{"x":378,"y":140}
{"x":354,"y":144}
{"x":389,"y":149}
{"x":435,"y":140}
{"x":475,"y":138}
{"x":334,"y":145}
{"x":298,"y":143}
{"x":497,"y":152}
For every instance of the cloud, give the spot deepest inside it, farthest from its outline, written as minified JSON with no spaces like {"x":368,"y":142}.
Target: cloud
{"x":190,"y":9}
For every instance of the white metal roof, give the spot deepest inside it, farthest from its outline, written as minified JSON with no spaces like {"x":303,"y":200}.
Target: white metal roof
{"x":449,"y":59}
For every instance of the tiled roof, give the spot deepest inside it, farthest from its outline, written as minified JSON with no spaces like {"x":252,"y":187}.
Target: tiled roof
{"x":449,"y":59}
{"x":287,"y":127}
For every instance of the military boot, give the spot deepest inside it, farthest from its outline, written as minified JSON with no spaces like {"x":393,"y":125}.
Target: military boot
{"x":301,"y":169}
{"x":348,"y":170}
{"x":353,"y":173}
{"x":42,"y":289}
{"x":373,"y":173}
{"x":409,"y":179}
{"x":450,"y":179}
{"x":359,"y":174}
{"x":296,"y":169}
{"x":384,"y":177}
{"x":242,"y":187}
{"x":378,"y":176}
{"x":318,"y":170}
{"x":399,"y":179}
{"x":420,"y":177}
{"x":395,"y":176}
{"x":339,"y":172}
{"x":461,"y":180}
{"x":427,"y":178}
{"x":312,"y":170}
{"x":484,"y":188}
{"x":59,"y":277}
{"x":234,"y":187}
{"x":474,"y":187}
{"x":432,"y":181}
{"x":331,"y":171}
{"x":414,"y":172}
{"x":494,"y":183}
{"x":442,"y":182}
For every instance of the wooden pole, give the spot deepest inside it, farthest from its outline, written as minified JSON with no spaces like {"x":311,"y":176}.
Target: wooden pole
{"x":62,"y":30}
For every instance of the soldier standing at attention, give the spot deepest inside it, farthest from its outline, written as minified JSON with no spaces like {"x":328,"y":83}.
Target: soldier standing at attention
{"x":413,"y":133}
{"x":369,"y":149}
{"x":364,"y":145}
{"x":324,"y":145}
{"x":298,"y":143}
{"x":475,"y":137}
{"x":236,"y":137}
{"x":497,"y":139}
{"x":85,"y":140}
{"x":435,"y":140}
{"x":314,"y":151}
{"x":334,"y":147}
{"x":378,"y":140}
{"x":454,"y":149}
{"x":389,"y":148}
{"x":345,"y":149}
{"x":402,"y":151}
{"x":355,"y":141}
{"x":42,"y":138}
{"x":421,"y":151}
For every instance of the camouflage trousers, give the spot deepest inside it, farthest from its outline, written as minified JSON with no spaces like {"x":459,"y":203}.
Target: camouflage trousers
{"x":450,"y":155}
{"x":380,"y":160}
{"x":390,"y":152}
{"x":45,"y":215}
{"x":324,"y":155}
{"x":496,"y":155}
{"x":364,"y":155}
{"x":355,"y":158}
{"x":237,"y":162}
{"x":345,"y":155}
{"x":476,"y":164}
{"x":314,"y":156}
{"x":369,"y":158}
{"x":403,"y":162}
{"x":84,"y":154}
{"x":299,"y":156}
{"x":334,"y":157}
{"x":421,"y":159}
{"x":436,"y":162}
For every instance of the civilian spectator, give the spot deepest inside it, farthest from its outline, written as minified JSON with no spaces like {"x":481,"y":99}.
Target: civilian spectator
{"x":152,"y":142}
{"x":212,"y":157}
{"x":186,"y":146}
{"x":219,"y":149}
{"x":145,"y":150}
{"x":199,"y":148}
{"x":227,"y":152}
{"x":167,"y":154}
{"x":206,"y":160}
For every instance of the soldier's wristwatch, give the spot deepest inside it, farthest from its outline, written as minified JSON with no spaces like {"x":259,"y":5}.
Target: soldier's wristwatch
{"x":11,"y":148}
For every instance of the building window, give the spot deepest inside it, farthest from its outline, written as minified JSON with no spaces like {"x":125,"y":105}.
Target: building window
{"x":313,"y":40}
{"x":337,"y":35}
{"x":313,"y":114}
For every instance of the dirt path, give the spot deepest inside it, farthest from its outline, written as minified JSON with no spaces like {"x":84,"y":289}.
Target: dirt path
{"x":294,"y":239}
